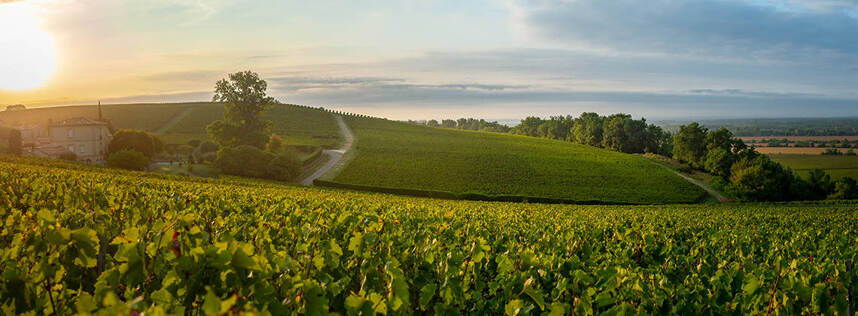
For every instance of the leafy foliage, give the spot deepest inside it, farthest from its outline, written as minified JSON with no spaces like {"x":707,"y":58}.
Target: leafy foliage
{"x":245,"y":101}
{"x":89,"y":239}
{"x":140,"y":141}
{"x":128,"y":159}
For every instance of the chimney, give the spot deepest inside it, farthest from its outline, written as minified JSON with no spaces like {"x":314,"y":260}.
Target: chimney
{"x":99,"y":110}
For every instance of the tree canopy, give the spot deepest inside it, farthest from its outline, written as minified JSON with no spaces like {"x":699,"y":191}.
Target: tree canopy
{"x":245,"y":100}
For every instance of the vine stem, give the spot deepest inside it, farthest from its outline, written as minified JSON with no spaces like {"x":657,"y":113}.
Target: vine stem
{"x":774,"y":288}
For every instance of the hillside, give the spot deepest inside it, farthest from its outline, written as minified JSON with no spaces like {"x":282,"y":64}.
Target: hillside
{"x":269,"y":247}
{"x":298,"y":125}
{"x":400,"y":155}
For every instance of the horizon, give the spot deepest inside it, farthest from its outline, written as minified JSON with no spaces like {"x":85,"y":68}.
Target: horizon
{"x":426,"y":59}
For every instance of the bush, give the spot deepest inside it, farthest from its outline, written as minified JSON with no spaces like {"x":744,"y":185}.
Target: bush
{"x":207,"y":157}
{"x":69,"y":156}
{"x":244,"y":160}
{"x":832,"y":152}
{"x":761,"y":179}
{"x":284,"y":167}
{"x":208,"y":147}
{"x":140,"y":141}
{"x":275,"y":144}
{"x":194,"y":143}
{"x":845,"y":189}
{"x":128,"y":159}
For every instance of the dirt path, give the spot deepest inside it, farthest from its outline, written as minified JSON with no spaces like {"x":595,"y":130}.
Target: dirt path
{"x":721,"y":198}
{"x":335,"y":154}
{"x":173,"y":121}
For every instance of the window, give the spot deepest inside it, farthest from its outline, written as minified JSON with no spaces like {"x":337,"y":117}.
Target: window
{"x":71,"y":148}
{"x":81,"y":149}
{"x":71,"y":133}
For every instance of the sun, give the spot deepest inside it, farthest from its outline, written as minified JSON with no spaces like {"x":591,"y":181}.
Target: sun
{"x":27,"y":55}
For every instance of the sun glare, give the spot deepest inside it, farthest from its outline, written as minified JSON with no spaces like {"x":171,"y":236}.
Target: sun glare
{"x":27,"y":56}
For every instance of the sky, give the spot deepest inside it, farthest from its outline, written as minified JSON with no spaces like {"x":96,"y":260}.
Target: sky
{"x":423,"y":59}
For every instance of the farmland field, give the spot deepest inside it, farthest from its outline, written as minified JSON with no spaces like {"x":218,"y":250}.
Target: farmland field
{"x":748,"y":139}
{"x":836,"y":166}
{"x":77,"y":239}
{"x":400,"y":155}
{"x":297,"y":125}
{"x":808,"y":151}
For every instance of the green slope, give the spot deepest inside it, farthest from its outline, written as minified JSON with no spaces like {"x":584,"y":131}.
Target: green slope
{"x":400,"y":155}
{"x":298,"y":125}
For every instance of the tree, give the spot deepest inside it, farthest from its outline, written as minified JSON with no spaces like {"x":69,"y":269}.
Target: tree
{"x":433,"y":123}
{"x":759,"y":178}
{"x":128,"y":159}
{"x":275,"y":144}
{"x":614,"y":137}
{"x":448,"y":123}
{"x":208,"y":147}
{"x":15,"y":143}
{"x":244,"y":101}
{"x":587,"y":129}
{"x":243,"y":160}
{"x":140,"y":141}
{"x":844,"y":189}
{"x":718,"y":162}
{"x":284,"y":167}
{"x":528,"y":126}
{"x":689,"y":145}
{"x":819,"y":185}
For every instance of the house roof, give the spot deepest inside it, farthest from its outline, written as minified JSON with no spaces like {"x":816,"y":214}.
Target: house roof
{"x":78,"y":121}
{"x":52,"y":150}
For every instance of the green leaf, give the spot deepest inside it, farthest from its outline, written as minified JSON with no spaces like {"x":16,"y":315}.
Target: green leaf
{"x":85,"y":304}
{"x":751,"y":285}
{"x":505,"y":265}
{"x":536,"y":295}
{"x":354,"y":303}
{"x":513,"y":307}
{"x":211,"y":304}
{"x":558,"y":309}
{"x":426,"y":295}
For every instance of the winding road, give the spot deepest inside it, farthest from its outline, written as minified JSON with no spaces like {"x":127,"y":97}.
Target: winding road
{"x":335,"y":154}
{"x":721,"y":198}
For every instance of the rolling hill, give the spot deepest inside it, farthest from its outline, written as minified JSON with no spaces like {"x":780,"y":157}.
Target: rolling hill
{"x":298,"y":125}
{"x":399,"y":155}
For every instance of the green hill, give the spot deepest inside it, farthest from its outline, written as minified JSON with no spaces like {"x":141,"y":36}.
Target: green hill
{"x":77,"y":239}
{"x":399,"y":155}
{"x":298,"y":125}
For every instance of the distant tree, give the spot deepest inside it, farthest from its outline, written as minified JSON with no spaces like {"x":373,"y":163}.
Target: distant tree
{"x":615,"y":137}
{"x":689,"y":144}
{"x":128,"y":159}
{"x":448,"y":123}
{"x":661,"y":141}
{"x":761,"y":179}
{"x":844,"y":189}
{"x":140,"y":141}
{"x":587,"y":129}
{"x":275,"y":144}
{"x":433,"y":123}
{"x":718,"y":161}
{"x":819,"y":185}
{"x":244,"y":101}
{"x":15,"y":143}
{"x":850,"y":152}
{"x":832,"y":152}
{"x":528,"y":126}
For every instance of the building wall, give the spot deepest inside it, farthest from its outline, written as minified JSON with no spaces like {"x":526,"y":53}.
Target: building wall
{"x":87,"y":142}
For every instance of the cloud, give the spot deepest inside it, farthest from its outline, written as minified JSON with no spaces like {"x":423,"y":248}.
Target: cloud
{"x":775,"y":30}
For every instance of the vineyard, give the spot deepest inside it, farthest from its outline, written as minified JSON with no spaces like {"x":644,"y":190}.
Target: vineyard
{"x":79,"y":239}
{"x":407,"y":156}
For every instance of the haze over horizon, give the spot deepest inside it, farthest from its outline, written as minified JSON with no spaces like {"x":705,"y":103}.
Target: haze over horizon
{"x":424,"y":59}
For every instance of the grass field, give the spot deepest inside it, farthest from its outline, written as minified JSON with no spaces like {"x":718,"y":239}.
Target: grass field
{"x":297,"y":125}
{"x":808,"y":151}
{"x":400,"y":155}
{"x":78,"y":239}
{"x":836,"y":166}
{"x":748,"y":139}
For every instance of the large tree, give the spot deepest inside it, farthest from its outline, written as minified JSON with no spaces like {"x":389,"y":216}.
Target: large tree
{"x":689,"y":145}
{"x":587,"y":129}
{"x":245,"y":101}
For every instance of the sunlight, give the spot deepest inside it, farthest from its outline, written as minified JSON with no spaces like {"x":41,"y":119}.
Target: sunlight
{"x":27,"y":57}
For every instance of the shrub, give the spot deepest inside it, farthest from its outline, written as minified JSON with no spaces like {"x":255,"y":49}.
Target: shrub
{"x":208,"y":157}
{"x":140,"y":141}
{"x":850,"y":152}
{"x":845,"y":189}
{"x":244,"y":160}
{"x":275,"y":144}
{"x":832,"y":152}
{"x":70,"y":156}
{"x":208,"y":147}
{"x":761,"y":179}
{"x":128,"y":159}
{"x":284,"y":167}
{"x":194,"y":143}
